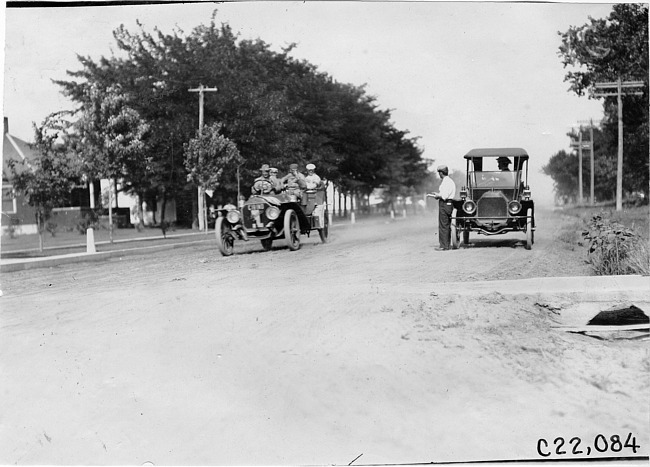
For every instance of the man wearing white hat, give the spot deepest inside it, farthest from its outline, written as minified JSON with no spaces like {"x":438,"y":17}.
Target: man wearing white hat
{"x":313,"y":180}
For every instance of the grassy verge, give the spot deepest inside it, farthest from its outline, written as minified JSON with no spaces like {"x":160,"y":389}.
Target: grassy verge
{"x":617,"y":242}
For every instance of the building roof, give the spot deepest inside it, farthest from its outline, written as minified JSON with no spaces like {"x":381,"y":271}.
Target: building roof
{"x":13,"y":148}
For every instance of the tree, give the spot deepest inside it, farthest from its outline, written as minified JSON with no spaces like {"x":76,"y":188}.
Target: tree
{"x":604,"y":50}
{"x":111,"y":140}
{"x":207,"y":155}
{"x":46,"y":181}
{"x":276,"y":109}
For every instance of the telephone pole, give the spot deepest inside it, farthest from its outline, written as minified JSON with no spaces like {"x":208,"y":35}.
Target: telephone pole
{"x":580,"y":145}
{"x":201,"y":197}
{"x":590,"y":146}
{"x":618,"y":88}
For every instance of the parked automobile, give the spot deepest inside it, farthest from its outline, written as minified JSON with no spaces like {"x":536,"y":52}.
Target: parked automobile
{"x":496,"y":199}
{"x":271,"y":217}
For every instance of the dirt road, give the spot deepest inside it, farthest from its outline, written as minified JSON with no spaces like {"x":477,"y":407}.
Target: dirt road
{"x":358,"y":347}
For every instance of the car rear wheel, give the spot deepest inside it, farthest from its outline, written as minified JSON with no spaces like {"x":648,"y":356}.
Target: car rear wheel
{"x":292,"y":229}
{"x":224,"y":234}
{"x":324,"y":232}
{"x":465,"y":237}
{"x":267,"y":244}
{"x":455,"y":234}
{"x":529,"y":229}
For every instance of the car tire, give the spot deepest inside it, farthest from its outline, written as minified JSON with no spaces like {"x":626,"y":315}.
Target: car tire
{"x":465,"y":237}
{"x":292,"y":229}
{"x":455,"y":234}
{"x":324,"y":232}
{"x":529,"y":229}
{"x":224,"y":235}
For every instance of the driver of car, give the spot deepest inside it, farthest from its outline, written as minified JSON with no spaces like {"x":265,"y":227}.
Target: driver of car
{"x":503,"y":163}
{"x":263,"y":185}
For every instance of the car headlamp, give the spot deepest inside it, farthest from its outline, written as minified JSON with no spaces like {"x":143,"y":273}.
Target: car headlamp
{"x":233,"y":216}
{"x":469,"y":207}
{"x":272,"y":212}
{"x":514,"y":207}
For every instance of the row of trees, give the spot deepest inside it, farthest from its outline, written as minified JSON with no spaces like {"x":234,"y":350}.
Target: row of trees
{"x":135,"y":119}
{"x":604,"y":50}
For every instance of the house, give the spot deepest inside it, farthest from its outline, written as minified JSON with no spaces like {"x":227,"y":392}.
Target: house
{"x":17,"y":216}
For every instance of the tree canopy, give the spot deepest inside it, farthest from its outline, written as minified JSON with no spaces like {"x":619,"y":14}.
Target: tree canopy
{"x":604,"y":50}
{"x":274,"y":108}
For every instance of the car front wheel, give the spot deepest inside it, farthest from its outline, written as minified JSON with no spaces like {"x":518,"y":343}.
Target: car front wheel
{"x":529,"y":229}
{"x":224,"y":234}
{"x":455,"y":234}
{"x":292,"y":229}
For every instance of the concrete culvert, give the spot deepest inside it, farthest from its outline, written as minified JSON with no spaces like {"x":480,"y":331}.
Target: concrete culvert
{"x":620,"y":317}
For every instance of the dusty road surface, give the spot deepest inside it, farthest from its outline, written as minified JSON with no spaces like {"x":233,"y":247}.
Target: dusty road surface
{"x":371,"y":347}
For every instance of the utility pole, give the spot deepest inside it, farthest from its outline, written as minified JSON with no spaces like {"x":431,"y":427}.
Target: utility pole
{"x":605,"y":90}
{"x":580,"y":145}
{"x":591,"y":150}
{"x":201,"y":197}
{"x":590,"y":146}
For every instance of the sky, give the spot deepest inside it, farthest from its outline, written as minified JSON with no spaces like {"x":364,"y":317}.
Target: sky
{"x":457,"y":75}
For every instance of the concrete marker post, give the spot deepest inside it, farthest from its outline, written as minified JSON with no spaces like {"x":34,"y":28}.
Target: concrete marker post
{"x":352,"y":219}
{"x":90,"y":240}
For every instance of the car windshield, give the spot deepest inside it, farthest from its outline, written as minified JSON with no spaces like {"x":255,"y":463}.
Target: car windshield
{"x":494,"y":179}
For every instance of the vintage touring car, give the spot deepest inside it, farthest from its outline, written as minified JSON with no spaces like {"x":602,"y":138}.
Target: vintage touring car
{"x":495,"y":199}
{"x":273,"y":216}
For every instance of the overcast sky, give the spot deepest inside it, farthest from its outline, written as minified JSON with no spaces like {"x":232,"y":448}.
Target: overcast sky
{"x":457,"y":75}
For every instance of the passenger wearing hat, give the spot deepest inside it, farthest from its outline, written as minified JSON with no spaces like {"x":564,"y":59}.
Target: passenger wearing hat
{"x":503,"y":163}
{"x":445,"y":196}
{"x":274,"y":178}
{"x":313,"y":181}
{"x":294,"y":181}
{"x":264,"y":185}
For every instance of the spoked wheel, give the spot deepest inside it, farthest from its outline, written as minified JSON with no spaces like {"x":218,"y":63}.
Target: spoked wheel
{"x":529,"y":229}
{"x":465,"y":237}
{"x":455,"y":234}
{"x":324,"y":232}
{"x":267,"y":244}
{"x":225,"y":237}
{"x":292,"y":229}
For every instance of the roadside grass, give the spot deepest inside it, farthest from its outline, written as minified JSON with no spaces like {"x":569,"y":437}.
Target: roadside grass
{"x":617,"y":242}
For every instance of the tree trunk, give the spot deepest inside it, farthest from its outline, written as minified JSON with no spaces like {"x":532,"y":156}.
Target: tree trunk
{"x":39,"y":228}
{"x":195,"y":212}
{"x":139,"y":199}
{"x":115,"y":187}
{"x":163,"y":223}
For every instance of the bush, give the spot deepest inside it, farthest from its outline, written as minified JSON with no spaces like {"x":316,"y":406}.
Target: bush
{"x":614,"y":249}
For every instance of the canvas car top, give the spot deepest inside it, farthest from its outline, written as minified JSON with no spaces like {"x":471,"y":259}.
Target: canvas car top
{"x":497,"y":152}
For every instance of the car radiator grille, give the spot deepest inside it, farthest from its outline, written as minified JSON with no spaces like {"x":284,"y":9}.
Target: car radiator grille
{"x":492,"y":207}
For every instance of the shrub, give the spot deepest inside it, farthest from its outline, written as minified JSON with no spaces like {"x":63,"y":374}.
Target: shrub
{"x":614,"y":249}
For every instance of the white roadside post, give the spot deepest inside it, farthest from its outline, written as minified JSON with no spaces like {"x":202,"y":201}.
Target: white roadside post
{"x":90,"y":240}
{"x":90,"y":232}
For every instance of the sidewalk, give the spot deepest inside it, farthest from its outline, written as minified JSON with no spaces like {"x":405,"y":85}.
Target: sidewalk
{"x":69,"y":247}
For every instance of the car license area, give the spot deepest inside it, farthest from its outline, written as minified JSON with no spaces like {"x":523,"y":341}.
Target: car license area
{"x":255,"y":207}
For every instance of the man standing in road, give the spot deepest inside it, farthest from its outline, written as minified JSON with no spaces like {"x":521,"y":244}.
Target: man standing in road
{"x":445,"y":196}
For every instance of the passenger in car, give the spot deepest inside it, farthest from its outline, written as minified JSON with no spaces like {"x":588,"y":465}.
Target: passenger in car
{"x":312,"y":179}
{"x":294,"y":182}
